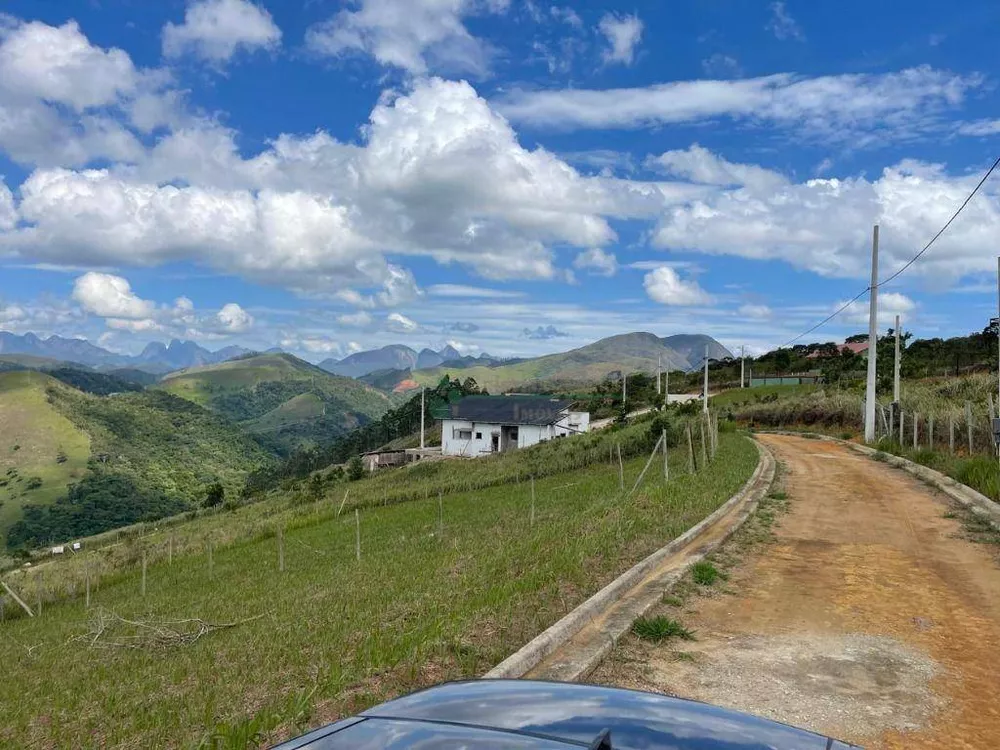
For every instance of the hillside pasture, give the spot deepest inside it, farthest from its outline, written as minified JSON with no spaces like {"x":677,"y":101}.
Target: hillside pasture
{"x":35,"y":441}
{"x":445,"y":588}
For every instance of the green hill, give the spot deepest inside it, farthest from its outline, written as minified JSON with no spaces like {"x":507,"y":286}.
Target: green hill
{"x":630,"y":352}
{"x":285,"y":401}
{"x":108,"y":461}
{"x":38,"y":446}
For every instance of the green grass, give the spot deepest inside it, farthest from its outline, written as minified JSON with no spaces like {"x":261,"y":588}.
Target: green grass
{"x":43,"y":435}
{"x":419,"y":607}
{"x":746,"y":396}
{"x":660,"y":628}
{"x":705,"y":573}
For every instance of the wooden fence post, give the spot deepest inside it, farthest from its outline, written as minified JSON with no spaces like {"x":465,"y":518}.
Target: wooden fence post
{"x":930,"y":432}
{"x":281,"y":549}
{"x":170,"y":550}
{"x":86,"y":603}
{"x":951,"y":433}
{"x":357,"y":534}
{"x":17,"y":599}
{"x":666,"y":467}
{"x":621,"y":468}
{"x":902,"y":420}
{"x":652,"y":455}
{"x":968,"y":422}
{"x":691,"y":466}
{"x":916,"y":428}
{"x":704,"y":453}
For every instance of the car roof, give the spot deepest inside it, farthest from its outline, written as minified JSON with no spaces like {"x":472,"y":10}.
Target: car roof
{"x":543,"y":715}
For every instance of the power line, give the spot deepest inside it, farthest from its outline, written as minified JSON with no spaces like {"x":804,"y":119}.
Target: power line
{"x":909,"y":263}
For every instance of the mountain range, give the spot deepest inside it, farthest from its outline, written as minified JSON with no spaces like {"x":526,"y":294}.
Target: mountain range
{"x":156,"y":357}
{"x":398,"y":357}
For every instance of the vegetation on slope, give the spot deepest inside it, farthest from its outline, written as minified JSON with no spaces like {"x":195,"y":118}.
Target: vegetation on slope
{"x":152,"y":454}
{"x":264,"y":393}
{"x":441,"y":591}
{"x":41,"y":451}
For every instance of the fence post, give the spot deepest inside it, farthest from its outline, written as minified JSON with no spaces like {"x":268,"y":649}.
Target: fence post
{"x":652,"y":455}
{"x":86,"y":603}
{"x":968,"y":422}
{"x":930,"y":432}
{"x":916,"y":429}
{"x":902,"y":421}
{"x":951,"y":433}
{"x":281,"y":549}
{"x":704,"y":453}
{"x":170,"y":550}
{"x":621,"y":468}
{"x":531,"y":520}
{"x":357,"y":534}
{"x":691,"y":466}
{"x":666,"y":467}
{"x":17,"y":599}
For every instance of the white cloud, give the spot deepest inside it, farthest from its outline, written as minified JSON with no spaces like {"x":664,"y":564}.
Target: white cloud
{"x":359,"y":319}
{"x":980,"y":128}
{"x":234,"y":319}
{"x":214,"y":30}
{"x":782,"y":25}
{"x":597,"y":261}
{"x":311,"y":344}
{"x":665,"y":286}
{"x":701,"y":165}
{"x":8,"y":211}
{"x":399,"y":323}
{"x":825,"y":225}
{"x":755,"y":312}
{"x":462,"y":290}
{"x":461,"y":347}
{"x":844,"y":108}
{"x":414,"y":35}
{"x":566,"y":15}
{"x":623,"y":33}
{"x":890,"y":304}
{"x":110,"y":296}
{"x":58,"y":64}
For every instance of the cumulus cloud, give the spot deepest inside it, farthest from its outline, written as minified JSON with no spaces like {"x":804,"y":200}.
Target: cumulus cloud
{"x":701,"y":165}
{"x":980,"y":128}
{"x":314,"y":344}
{"x":416,"y":36}
{"x":623,"y":33}
{"x":664,"y":285}
{"x":359,"y":319}
{"x":597,"y":261}
{"x":8,"y":211}
{"x":214,"y":30}
{"x":110,"y":296}
{"x":890,"y":304}
{"x":855,"y":108}
{"x":824,"y":225}
{"x":234,"y":319}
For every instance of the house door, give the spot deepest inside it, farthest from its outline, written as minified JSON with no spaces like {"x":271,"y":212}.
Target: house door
{"x":496,"y":443}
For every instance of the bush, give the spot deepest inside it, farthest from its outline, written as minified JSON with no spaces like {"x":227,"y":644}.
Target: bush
{"x":660,"y":628}
{"x":214,"y":495}
{"x":661,"y":423}
{"x":33,"y":483}
{"x":355,"y":469}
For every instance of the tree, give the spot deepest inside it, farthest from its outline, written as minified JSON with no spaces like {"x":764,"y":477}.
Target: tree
{"x":782,"y":360}
{"x":355,"y":469}
{"x":857,"y":338}
{"x":214,"y":495}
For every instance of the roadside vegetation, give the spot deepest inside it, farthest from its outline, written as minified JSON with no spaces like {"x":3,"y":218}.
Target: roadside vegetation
{"x":444,"y":588}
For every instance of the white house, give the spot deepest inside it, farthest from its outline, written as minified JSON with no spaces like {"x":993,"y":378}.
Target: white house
{"x":480,"y":425}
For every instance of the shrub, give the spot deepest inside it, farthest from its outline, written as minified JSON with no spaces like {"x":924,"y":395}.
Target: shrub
{"x":704,"y":573}
{"x":33,"y":483}
{"x":214,"y":495}
{"x":662,"y":423}
{"x":355,"y":469}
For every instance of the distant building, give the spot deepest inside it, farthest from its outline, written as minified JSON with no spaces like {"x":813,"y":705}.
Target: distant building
{"x":481,"y":425}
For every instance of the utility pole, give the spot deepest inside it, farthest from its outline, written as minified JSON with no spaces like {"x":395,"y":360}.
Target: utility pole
{"x":743,"y":361}
{"x":423,"y":391}
{"x":704,"y":407}
{"x":624,"y":389}
{"x":666,"y":387}
{"x":872,"y":343}
{"x":659,"y":366}
{"x":895,"y":385}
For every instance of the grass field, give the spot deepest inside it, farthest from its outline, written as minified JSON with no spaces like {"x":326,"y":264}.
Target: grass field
{"x":746,"y":396}
{"x":441,"y":591}
{"x":34,"y":438}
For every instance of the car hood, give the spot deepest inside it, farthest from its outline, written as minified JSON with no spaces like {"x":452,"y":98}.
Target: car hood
{"x":578,"y":713}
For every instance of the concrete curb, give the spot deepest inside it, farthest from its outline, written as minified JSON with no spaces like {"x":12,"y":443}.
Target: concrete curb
{"x":546,"y":643}
{"x":961,"y":493}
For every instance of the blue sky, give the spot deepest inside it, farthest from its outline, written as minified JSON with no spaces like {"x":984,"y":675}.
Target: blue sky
{"x":510,"y":176}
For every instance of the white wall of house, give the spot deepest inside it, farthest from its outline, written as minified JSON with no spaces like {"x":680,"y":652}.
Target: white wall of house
{"x":460,"y":437}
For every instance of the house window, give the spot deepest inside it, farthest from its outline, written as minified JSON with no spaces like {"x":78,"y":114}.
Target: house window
{"x":479,"y":436}
{"x":463,"y":434}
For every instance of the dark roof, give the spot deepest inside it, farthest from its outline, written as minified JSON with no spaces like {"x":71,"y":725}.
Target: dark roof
{"x":507,"y":409}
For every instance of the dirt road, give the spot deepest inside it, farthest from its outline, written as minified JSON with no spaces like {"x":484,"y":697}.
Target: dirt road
{"x":869,"y":618}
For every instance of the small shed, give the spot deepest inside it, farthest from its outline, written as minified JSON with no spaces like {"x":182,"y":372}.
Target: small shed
{"x":375,"y":460}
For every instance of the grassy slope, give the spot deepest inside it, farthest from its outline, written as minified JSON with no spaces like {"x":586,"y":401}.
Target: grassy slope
{"x":739,"y":396}
{"x":28,"y":419}
{"x":236,"y":390}
{"x":418,"y":608}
